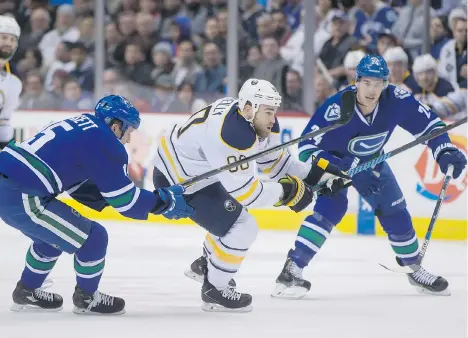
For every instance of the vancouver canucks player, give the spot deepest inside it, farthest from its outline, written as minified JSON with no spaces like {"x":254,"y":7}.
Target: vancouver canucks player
{"x":380,"y":108}
{"x":10,"y":85}
{"x":222,"y":133}
{"x":85,"y":156}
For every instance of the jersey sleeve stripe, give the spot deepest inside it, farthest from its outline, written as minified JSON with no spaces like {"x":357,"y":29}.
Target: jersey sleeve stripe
{"x":431,"y":126}
{"x":243,"y":186}
{"x":121,"y":191}
{"x":249,"y":192}
{"x":278,"y":160}
{"x":282,"y":167}
{"x":256,"y":197}
{"x":165,"y":166}
{"x":131,"y":204}
{"x":170,"y":159}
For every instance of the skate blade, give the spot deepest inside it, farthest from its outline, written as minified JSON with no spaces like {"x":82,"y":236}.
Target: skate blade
{"x":85,"y":312}
{"x":425,"y":291}
{"x":192,"y":275}
{"x":32,"y":308}
{"x":285,"y":292}
{"x":213,"y":307}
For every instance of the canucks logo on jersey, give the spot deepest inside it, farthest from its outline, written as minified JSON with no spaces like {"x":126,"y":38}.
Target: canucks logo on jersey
{"x":367,"y":145}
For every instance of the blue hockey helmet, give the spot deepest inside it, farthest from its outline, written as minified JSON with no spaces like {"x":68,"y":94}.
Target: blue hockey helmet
{"x":372,"y":66}
{"x":117,"y":107}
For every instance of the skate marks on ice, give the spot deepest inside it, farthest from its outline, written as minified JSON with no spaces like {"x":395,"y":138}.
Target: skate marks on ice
{"x":351,"y":296}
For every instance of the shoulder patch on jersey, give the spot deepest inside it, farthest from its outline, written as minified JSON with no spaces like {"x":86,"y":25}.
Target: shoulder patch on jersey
{"x":333,"y":112}
{"x":401,"y":93}
{"x":236,"y":132}
{"x":276,"y":127}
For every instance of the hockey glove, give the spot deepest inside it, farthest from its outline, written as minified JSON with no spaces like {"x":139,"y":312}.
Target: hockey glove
{"x":296,"y":194}
{"x":452,"y":157}
{"x":323,"y":170}
{"x":366,"y":182}
{"x":174,"y":206}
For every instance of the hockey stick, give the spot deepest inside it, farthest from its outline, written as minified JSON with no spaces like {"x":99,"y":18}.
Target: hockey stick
{"x":386,"y":156}
{"x":348,"y":99}
{"x":435,"y":214}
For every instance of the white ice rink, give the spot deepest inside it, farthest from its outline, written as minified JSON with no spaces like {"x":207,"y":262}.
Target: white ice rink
{"x":351,"y":296}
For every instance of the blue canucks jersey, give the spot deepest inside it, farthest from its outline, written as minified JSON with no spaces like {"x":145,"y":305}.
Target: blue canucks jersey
{"x":365,"y":136}
{"x":80,"y":155}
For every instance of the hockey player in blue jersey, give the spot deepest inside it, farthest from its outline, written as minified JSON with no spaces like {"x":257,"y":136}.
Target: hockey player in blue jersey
{"x":84,"y":156}
{"x":380,"y":108}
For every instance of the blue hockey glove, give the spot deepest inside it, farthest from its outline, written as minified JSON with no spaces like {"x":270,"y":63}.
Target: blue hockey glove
{"x":175,"y":206}
{"x":365,"y":182}
{"x":452,"y":157}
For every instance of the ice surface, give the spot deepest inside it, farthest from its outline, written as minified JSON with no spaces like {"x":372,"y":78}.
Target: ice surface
{"x":351,"y":295}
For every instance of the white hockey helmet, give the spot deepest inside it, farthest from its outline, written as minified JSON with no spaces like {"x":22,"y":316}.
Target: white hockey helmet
{"x":8,"y":25}
{"x":258,"y":92}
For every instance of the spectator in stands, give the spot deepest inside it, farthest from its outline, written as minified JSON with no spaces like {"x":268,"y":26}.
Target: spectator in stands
{"x":244,"y":39}
{"x":135,"y":67}
{"x":185,"y":101}
{"x":265,"y":26}
{"x":281,"y":30}
{"x":161,"y":56}
{"x":247,"y":67}
{"x":179,"y":31}
{"x":325,"y":12}
{"x":211,"y":34}
{"x":146,"y":29}
{"x":74,"y":98}
{"x":453,"y":56}
{"x":217,"y":6}
{"x":113,"y":41}
{"x":293,"y":10}
{"x":56,"y":91}
{"x":186,"y":67}
{"x":87,"y":32}
{"x":397,"y":61}
{"x":34,"y":96}
{"x":292,"y":98}
{"x":350,"y":63}
{"x":65,"y":30}
{"x":171,"y":10}
{"x":251,"y":12}
{"x":428,"y":84}
{"x":272,"y":68}
{"x":154,"y":8}
{"x":385,"y":40}
{"x":110,"y":79}
{"x":163,"y":94}
{"x":292,"y":52}
{"x":197,"y":13}
{"x":336,"y":48}
{"x":83,"y":70}
{"x":62,"y":60}
{"x":371,"y":16}
{"x":212,"y":78}
{"x":39,"y":21}
{"x":84,"y":7}
{"x":454,"y":16}
{"x":126,"y":6}
{"x":32,"y":59}
{"x":127,"y":25}
{"x":407,"y":27}
{"x":323,"y":90}
{"x":439,"y":35}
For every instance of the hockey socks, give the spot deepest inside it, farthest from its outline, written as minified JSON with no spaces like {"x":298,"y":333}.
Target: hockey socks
{"x":40,"y":259}
{"x":313,"y":232}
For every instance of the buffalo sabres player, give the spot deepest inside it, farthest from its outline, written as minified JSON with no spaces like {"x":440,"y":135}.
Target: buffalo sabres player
{"x":10,"y":85}
{"x":85,"y":156}
{"x":380,"y":108}
{"x":224,"y":132}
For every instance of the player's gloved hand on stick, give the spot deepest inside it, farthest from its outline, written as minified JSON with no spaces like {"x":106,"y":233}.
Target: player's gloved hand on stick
{"x":174,"y":206}
{"x":296,"y":194}
{"x":452,"y":157}
{"x":323,"y":170}
{"x":365,"y":182}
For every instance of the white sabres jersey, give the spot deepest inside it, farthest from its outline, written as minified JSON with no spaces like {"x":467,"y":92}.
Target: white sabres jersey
{"x":10,"y":90}
{"x":217,"y":135}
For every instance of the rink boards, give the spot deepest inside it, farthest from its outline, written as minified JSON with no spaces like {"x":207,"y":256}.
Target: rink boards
{"x":416,"y":171}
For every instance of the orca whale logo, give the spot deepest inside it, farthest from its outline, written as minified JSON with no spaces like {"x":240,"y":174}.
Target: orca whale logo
{"x":367,"y":145}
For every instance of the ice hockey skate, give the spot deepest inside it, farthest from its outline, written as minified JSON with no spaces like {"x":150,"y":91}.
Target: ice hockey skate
{"x":35,"y":300}
{"x":290,"y":284}
{"x":97,"y":304}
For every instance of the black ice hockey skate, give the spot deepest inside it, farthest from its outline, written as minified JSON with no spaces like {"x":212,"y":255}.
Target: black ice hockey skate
{"x":98,"y":303}
{"x":197,"y":268}
{"x":227,"y":300}
{"x":26,"y":299}
{"x":290,"y":284}
{"x":428,"y":283}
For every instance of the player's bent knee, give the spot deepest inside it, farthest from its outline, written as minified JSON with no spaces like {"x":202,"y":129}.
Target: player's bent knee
{"x":96,"y":243}
{"x":332,"y":208}
{"x":243,"y":233}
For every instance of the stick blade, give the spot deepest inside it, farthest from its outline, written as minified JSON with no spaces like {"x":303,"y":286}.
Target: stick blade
{"x":348,"y":101}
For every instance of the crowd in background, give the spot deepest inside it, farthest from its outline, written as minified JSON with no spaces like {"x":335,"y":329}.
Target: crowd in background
{"x":170,"y":55}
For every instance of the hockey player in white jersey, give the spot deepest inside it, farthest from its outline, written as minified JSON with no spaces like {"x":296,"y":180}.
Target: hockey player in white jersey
{"x":224,"y":132}
{"x":10,"y":85}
